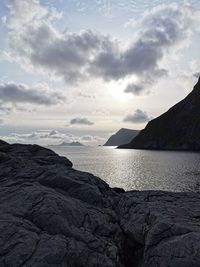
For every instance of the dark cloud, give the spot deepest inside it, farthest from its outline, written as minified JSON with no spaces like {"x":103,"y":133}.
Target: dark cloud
{"x":19,"y":93}
{"x":138,"y":116}
{"x":87,"y":54}
{"x":81,"y":121}
{"x":197,"y":75}
{"x":134,"y":89}
{"x":162,"y":29}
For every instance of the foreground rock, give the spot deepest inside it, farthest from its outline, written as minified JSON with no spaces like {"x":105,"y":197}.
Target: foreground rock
{"x":177,"y":129}
{"x":53,"y":215}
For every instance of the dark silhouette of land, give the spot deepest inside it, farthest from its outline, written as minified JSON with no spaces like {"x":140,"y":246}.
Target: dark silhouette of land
{"x":177,"y":129}
{"x":71,"y":144}
{"x":123,"y":136}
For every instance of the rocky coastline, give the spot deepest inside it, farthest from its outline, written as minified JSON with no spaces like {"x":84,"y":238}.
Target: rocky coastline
{"x":53,"y":215}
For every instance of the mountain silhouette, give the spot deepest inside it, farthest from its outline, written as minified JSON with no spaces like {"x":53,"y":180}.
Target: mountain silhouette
{"x":121,"y":137}
{"x":177,"y":129}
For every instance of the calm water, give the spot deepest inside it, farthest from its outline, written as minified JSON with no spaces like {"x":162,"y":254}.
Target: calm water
{"x":138,"y":169}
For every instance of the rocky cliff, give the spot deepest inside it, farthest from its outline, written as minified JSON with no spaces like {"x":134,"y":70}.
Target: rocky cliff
{"x":177,"y":129}
{"x":53,"y":215}
{"x":123,"y":136}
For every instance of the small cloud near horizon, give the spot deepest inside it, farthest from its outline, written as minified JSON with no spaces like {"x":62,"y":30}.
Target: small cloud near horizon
{"x":51,"y":137}
{"x":138,"y":116}
{"x":81,"y":121}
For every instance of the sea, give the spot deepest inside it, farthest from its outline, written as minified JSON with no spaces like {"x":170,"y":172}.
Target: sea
{"x":137,"y":169}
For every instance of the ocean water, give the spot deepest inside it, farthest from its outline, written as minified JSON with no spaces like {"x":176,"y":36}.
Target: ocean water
{"x":137,"y":169}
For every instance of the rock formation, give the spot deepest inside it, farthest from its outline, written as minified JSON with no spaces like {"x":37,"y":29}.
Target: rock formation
{"x":177,"y":129}
{"x":53,"y":215}
{"x":123,"y":136}
{"x":71,"y":144}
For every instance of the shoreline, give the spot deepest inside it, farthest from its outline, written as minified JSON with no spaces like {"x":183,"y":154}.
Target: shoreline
{"x":53,"y":215}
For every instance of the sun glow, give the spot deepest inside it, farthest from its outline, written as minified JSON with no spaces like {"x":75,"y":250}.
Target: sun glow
{"x":117,"y":89}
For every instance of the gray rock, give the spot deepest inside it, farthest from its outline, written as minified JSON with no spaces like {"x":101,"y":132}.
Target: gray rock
{"x":53,"y":215}
{"x":162,"y":228}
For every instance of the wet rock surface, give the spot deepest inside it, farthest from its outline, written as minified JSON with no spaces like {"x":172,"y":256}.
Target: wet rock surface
{"x":53,"y":215}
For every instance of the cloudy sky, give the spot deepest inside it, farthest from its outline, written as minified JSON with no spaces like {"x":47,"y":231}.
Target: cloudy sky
{"x":75,"y":70}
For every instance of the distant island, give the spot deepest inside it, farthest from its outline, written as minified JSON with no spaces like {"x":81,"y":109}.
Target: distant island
{"x":71,"y":144}
{"x":177,"y":129}
{"x":123,"y":136}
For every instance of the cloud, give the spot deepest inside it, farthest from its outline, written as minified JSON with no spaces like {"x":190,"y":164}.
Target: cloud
{"x":86,"y":95}
{"x":138,"y":116}
{"x":79,"y":56}
{"x":39,"y":45}
{"x":53,"y":133}
{"x":5,"y":108}
{"x":161,"y":29}
{"x":87,"y":138}
{"x":5,"y":56}
{"x":20,"y":94}
{"x":134,"y":89}
{"x":81,"y":121}
{"x":51,"y":137}
{"x":196,"y":75}
{"x":48,"y":136}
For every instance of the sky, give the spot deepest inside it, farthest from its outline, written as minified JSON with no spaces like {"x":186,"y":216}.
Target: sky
{"x":75,"y":70}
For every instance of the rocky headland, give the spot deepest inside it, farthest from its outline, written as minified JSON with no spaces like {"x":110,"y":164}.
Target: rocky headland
{"x":53,"y":215}
{"x":176,"y":129}
{"x":123,"y":136}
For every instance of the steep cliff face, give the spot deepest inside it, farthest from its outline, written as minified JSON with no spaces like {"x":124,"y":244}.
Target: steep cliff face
{"x":123,"y":136}
{"x":177,"y":129}
{"x":54,"y":216}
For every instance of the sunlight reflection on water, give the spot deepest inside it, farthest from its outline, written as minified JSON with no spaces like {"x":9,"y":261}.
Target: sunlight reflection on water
{"x":138,"y":169}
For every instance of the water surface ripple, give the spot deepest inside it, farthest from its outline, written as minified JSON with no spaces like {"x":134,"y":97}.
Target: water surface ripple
{"x":138,"y":169}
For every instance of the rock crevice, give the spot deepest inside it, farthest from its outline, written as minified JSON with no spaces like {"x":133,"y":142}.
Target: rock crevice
{"x":53,"y":215}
